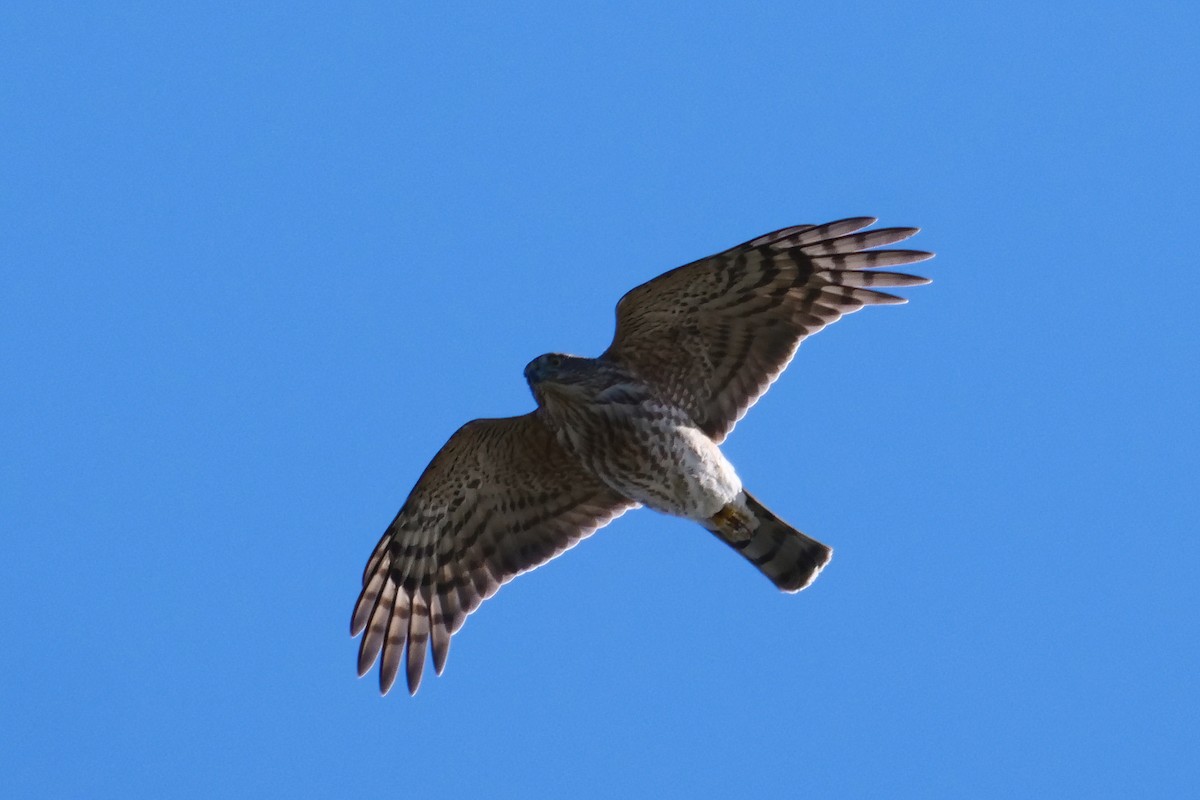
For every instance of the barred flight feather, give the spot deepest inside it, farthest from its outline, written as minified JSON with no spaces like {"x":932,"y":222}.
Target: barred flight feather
{"x":793,"y":276}
{"x":854,"y":242}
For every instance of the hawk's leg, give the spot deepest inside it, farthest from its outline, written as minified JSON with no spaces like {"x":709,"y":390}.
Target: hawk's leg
{"x":735,"y":524}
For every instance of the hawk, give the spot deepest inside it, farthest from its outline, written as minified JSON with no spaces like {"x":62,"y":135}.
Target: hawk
{"x":639,"y":426}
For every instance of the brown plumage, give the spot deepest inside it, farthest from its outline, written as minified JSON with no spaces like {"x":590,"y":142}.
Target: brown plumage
{"x":640,"y":425}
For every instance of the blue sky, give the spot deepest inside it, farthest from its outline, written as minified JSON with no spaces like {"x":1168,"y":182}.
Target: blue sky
{"x":260,"y":260}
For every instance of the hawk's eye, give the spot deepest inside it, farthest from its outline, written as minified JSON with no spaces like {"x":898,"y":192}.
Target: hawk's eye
{"x":556,"y":361}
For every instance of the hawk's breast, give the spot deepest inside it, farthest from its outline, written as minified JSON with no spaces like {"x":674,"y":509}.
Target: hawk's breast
{"x":648,"y":451}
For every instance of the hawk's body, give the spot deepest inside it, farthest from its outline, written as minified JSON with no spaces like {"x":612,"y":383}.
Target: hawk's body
{"x":640,"y":425}
{"x":623,"y":433}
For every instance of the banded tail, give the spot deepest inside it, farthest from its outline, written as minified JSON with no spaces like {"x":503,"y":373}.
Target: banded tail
{"x":785,"y":555}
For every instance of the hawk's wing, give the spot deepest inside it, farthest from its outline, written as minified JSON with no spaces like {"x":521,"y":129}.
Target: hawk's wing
{"x":498,"y":499}
{"x":713,"y":335}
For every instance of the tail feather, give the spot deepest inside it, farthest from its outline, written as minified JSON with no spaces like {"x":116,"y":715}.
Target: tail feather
{"x":785,"y":555}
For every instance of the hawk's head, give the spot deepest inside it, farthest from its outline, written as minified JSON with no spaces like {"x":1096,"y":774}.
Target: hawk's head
{"x":567,"y":376}
{"x":557,"y":368}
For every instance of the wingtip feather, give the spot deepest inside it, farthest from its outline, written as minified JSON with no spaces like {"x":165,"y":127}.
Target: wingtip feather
{"x":438,"y":633}
{"x":418,"y":639}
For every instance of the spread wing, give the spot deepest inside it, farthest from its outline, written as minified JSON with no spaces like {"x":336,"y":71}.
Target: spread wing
{"x":499,"y":499}
{"x":714,"y":334}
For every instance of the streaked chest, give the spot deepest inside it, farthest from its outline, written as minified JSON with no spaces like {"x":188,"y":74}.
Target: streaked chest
{"x":647,"y":450}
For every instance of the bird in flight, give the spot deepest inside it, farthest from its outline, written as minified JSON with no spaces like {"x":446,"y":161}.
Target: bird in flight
{"x":639,"y":426}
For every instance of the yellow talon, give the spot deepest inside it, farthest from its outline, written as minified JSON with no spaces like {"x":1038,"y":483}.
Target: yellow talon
{"x":731,"y":522}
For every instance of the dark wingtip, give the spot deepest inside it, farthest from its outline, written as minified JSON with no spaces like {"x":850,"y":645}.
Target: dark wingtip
{"x":904,"y":256}
{"x":439,"y":658}
{"x":412,"y":673}
{"x":366,"y":658}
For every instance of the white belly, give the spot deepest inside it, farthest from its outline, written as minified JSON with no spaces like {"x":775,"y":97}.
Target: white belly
{"x":691,"y":477}
{"x":707,"y":480}
{"x":652,"y":454}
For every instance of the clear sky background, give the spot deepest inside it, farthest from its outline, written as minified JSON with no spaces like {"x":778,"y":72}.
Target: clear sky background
{"x":261,"y":259}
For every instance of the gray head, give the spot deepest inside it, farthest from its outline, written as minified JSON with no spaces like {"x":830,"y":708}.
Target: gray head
{"x":574,"y":374}
{"x":558,"y":368}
